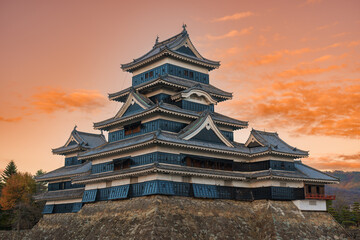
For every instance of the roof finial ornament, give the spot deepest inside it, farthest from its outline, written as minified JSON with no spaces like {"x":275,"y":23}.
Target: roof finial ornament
{"x":184,"y":27}
{"x":157,"y":39}
{"x":75,"y":127}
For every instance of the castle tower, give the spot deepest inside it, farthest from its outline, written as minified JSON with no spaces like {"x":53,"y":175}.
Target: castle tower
{"x":167,"y":139}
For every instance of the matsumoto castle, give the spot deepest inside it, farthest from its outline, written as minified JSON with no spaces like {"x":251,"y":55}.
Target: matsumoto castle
{"x":167,"y":139}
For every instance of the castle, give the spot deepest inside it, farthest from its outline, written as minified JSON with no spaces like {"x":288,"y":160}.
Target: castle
{"x":167,"y":139}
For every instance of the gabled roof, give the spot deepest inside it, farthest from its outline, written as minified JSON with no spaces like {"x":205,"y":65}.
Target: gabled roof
{"x":272,"y":140}
{"x":134,"y":98}
{"x":179,"y":47}
{"x":196,"y":90}
{"x":172,"y":81}
{"x":65,"y":172}
{"x":79,"y":141}
{"x":205,"y":121}
{"x":170,"y":109}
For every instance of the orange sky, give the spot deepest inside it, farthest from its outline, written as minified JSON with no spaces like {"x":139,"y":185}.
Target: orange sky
{"x":293,"y":67}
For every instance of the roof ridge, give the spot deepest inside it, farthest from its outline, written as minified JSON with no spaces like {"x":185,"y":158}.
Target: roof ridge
{"x":171,"y":39}
{"x":275,"y":133}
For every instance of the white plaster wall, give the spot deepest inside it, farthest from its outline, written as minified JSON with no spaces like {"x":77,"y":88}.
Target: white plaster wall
{"x":276,"y":183}
{"x":276,"y":158}
{"x":150,"y":94}
{"x":71,"y":155}
{"x":90,"y":186}
{"x":171,"y":61}
{"x":64,"y":201}
{"x":199,"y":180}
{"x":310,"y":205}
{"x":61,"y":180}
{"x":120,"y":182}
{"x":203,"y":180}
{"x":239,"y":184}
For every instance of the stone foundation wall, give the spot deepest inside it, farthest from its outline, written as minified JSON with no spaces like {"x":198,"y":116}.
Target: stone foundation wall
{"x":166,"y":217}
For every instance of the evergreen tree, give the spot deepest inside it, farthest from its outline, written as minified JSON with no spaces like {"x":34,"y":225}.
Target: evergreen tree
{"x":10,"y":170}
{"x":346,"y":217}
{"x":356,"y":213}
{"x":40,"y":186}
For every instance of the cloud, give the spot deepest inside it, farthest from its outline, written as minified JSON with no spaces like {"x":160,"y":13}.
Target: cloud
{"x":267,"y":59}
{"x":9,"y":120}
{"x":232,"y":33}
{"x":324,"y":108}
{"x":313,"y":1}
{"x":326,"y":26}
{"x":353,"y":43}
{"x":350,"y":162}
{"x":306,"y":70}
{"x":323,"y":58}
{"x":235,"y":16}
{"x":54,"y":99}
{"x":276,"y":56}
{"x":355,"y":156}
{"x":340,"y":34}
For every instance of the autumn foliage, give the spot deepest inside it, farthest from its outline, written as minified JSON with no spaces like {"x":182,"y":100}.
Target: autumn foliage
{"x":19,"y":188}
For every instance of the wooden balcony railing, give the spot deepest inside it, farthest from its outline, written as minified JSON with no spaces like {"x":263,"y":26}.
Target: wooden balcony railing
{"x":319,"y":196}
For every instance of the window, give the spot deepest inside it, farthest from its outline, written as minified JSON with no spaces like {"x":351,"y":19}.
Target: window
{"x":282,"y":165}
{"x":132,"y":128}
{"x":203,"y":163}
{"x":146,"y":75}
{"x":151,"y":74}
{"x":186,"y":73}
{"x":121,"y":164}
{"x":191,"y":75}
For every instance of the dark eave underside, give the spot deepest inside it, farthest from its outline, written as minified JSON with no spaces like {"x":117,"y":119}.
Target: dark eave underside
{"x":165,"y":52}
{"x":170,"y":109}
{"x":191,"y":171}
{"x":183,"y":84}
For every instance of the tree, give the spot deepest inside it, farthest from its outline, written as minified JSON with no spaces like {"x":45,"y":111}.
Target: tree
{"x":356,"y":213}
{"x":18,"y":188}
{"x":40,"y":186}
{"x":10,"y":170}
{"x":16,"y":197}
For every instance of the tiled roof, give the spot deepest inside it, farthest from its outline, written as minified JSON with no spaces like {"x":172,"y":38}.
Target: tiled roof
{"x":185,"y":170}
{"x":168,"y":47}
{"x":194,"y":125}
{"x":313,"y":173}
{"x":141,"y":97}
{"x":65,"y":172}
{"x":119,"y":145}
{"x":273,"y":141}
{"x":61,"y":194}
{"x":219,"y":118}
{"x":173,"y":139}
{"x":172,"y":80}
{"x":83,"y":140}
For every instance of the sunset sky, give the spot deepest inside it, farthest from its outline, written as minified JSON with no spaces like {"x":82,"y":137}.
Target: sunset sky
{"x":293,"y":67}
